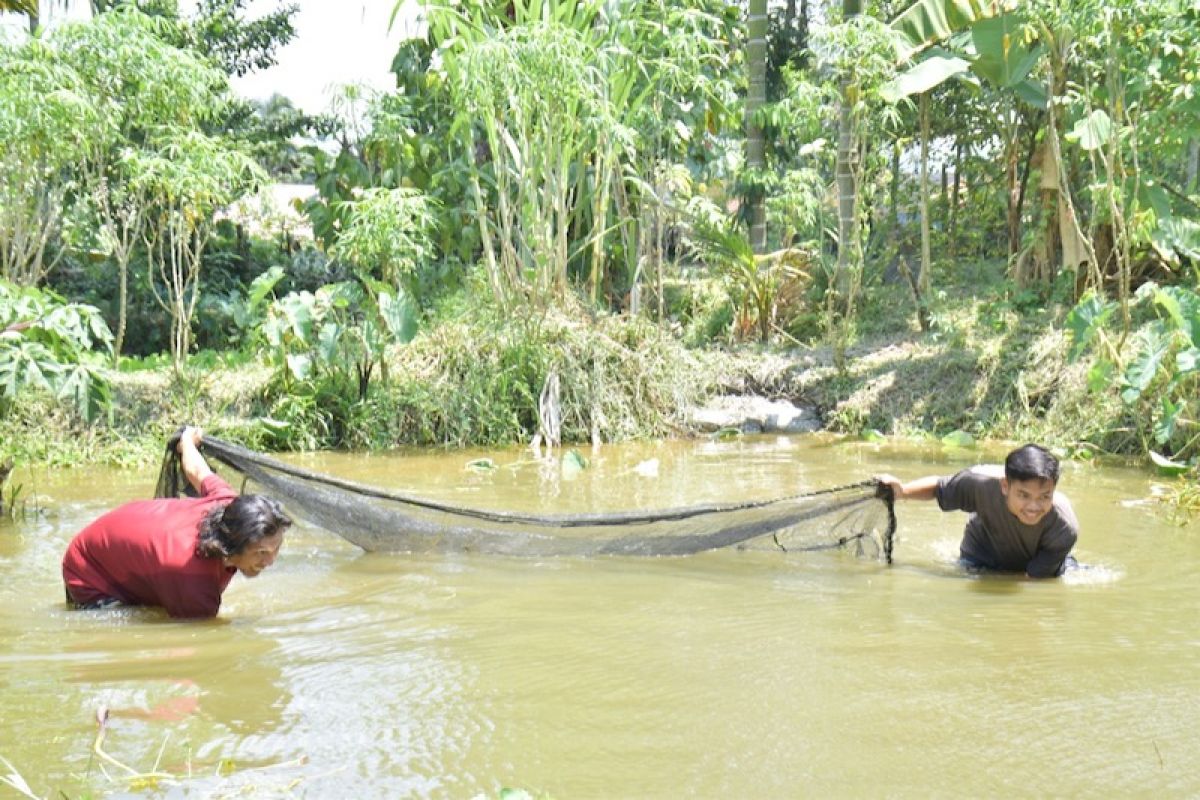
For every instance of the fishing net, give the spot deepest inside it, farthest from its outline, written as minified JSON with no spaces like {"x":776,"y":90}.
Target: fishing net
{"x":858,"y":517}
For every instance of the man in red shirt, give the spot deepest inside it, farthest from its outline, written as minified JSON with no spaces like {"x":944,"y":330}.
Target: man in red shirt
{"x":178,"y":553}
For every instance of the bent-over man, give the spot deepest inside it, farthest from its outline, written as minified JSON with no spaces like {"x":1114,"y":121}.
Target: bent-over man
{"x":1018,"y":522}
{"x":178,"y":553}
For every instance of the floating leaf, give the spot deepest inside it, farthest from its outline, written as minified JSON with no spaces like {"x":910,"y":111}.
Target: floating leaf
{"x":872,"y":435}
{"x":573,"y":463}
{"x":481,"y":465}
{"x":648,"y":468}
{"x":515,"y":794}
{"x":1166,"y":466}
{"x":958,"y":439}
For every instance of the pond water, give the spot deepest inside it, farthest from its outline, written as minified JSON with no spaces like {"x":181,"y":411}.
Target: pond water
{"x":726,"y":674}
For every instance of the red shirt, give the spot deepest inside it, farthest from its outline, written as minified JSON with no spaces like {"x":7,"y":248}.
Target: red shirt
{"x":144,"y":553}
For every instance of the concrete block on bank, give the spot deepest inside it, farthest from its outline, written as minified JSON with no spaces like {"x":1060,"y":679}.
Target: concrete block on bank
{"x":751,"y":414}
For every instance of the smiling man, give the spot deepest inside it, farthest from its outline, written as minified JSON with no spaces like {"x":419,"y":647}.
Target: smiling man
{"x":178,"y":553}
{"x":1018,"y":522}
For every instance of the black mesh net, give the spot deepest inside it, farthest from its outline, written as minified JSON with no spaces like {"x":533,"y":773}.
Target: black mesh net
{"x":858,"y":517}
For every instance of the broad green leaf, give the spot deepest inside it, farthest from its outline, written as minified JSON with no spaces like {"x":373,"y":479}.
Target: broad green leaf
{"x":923,"y":76}
{"x":1093,"y":131}
{"x":1100,"y":376}
{"x":573,"y":463}
{"x":1004,"y":58}
{"x":872,"y":435}
{"x":297,"y":308}
{"x":1085,"y":320}
{"x":1178,"y":237}
{"x":1167,"y":466}
{"x":327,"y":342}
{"x":1187,"y":361}
{"x":1183,"y":305}
{"x":1164,"y":425}
{"x":300,"y":365}
{"x":1140,"y":373}
{"x":262,"y":286}
{"x":928,"y":21}
{"x":1033,"y":93}
{"x":399,"y":314}
{"x":515,"y":794}
{"x":958,"y":439}
{"x":481,"y":465}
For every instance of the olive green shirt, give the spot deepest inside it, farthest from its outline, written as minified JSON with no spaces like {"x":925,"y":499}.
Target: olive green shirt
{"x":995,"y":538}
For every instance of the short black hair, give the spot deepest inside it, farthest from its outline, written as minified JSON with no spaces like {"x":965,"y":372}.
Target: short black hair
{"x":249,"y":519}
{"x":1031,"y":462}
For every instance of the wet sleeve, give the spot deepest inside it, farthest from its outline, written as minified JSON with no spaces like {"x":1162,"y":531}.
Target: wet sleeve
{"x":214,"y":487}
{"x":1053,"y":548}
{"x":188,"y":597}
{"x":957,"y":492}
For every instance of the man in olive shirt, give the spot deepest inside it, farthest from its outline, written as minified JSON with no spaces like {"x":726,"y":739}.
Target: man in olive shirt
{"x":1018,"y":522}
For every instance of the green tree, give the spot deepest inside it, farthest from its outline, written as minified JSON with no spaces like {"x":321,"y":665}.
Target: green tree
{"x":187,"y":176}
{"x":112,"y":54}
{"x":49,"y":132}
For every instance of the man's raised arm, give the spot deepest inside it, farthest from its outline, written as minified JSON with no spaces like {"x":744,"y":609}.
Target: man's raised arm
{"x":195,"y":468}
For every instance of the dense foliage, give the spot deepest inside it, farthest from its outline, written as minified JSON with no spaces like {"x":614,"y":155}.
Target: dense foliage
{"x":545,"y":161}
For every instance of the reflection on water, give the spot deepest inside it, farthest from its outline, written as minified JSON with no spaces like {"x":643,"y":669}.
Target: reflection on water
{"x":733,"y":673}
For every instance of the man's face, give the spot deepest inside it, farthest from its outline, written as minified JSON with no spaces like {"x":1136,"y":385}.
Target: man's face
{"x":1028,"y":501}
{"x":258,"y":556}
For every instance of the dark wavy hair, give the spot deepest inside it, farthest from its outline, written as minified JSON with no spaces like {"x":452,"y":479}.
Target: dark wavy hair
{"x":1031,"y":463}
{"x":229,"y":530}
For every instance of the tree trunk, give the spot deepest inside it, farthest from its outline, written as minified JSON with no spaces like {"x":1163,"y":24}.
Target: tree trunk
{"x":756,"y":97}
{"x":923,"y":280}
{"x":122,"y":310}
{"x":953,"y":232}
{"x":894,"y":189}
{"x":1193,"y":165}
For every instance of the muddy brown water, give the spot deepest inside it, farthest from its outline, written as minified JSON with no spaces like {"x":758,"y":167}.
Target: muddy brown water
{"x":727,"y":674}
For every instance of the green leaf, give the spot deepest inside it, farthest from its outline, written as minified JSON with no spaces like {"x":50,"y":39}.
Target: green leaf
{"x":515,"y":794}
{"x":872,"y":435}
{"x":1004,"y":57}
{"x":1178,"y":237}
{"x":262,"y":286}
{"x":1085,"y":320}
{"x":958,"y":439}
{"x":1093,"y":131}
{"x":300,"y":365}
{"x":925,"y":75}
{"x":1032,"y":92}
{"x":1140,"y":373}
{"x":1166,"y":466}
{"x":399,"y":314}
{"x":928,"y":21}
{"x":1100,"y":376}
{"x":573,"y":463}
{"x":481,"y":465}
{"x":1164,"y":426}
{"x":1187,"y":361}
{"x":327,"y":342}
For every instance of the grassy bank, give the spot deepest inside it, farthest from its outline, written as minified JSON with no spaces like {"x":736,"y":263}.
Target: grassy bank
{"x":994,"y":365}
